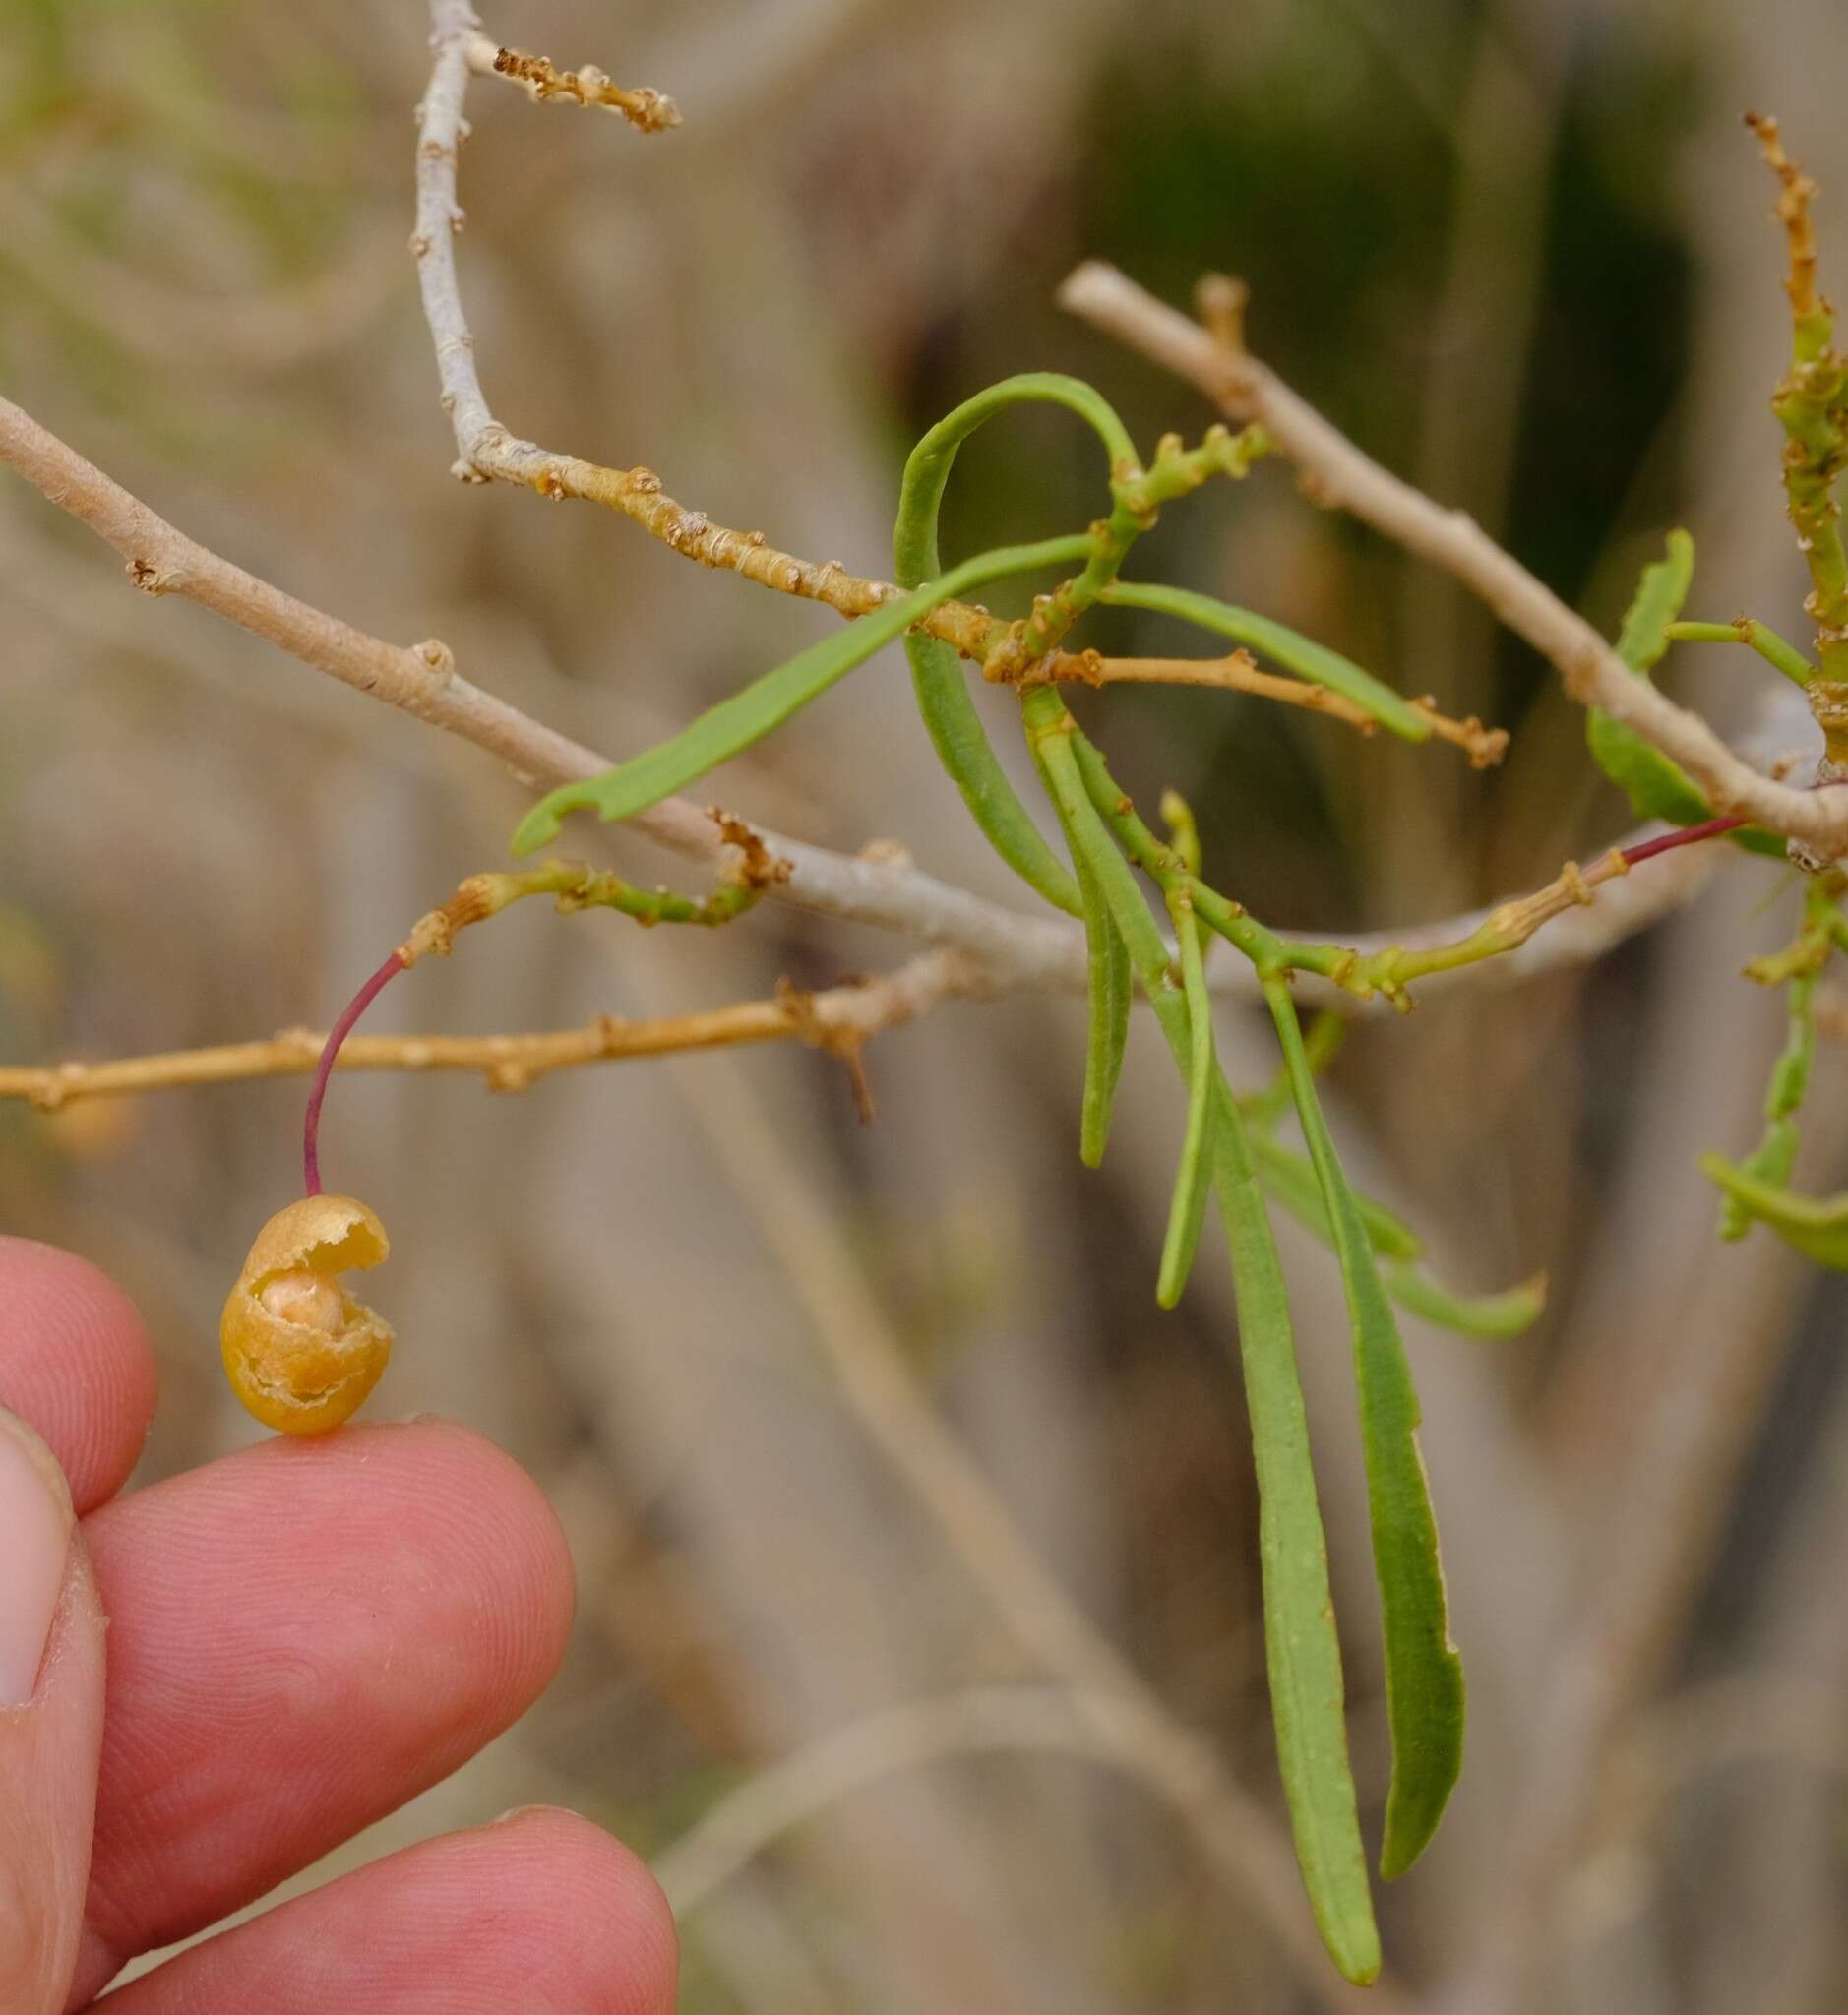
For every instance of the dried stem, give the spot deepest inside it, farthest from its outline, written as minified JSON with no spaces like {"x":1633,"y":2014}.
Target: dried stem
{"x":839,"y":1019}
{"x":486,"y":452}
{"x":422,"y":681}
{"x":645,"y":109}
{"x":1239,"y":672}
{"x":1334,"y":472}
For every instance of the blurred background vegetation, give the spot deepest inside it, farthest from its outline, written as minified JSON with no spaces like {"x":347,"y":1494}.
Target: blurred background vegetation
{"x":1520,"y":251}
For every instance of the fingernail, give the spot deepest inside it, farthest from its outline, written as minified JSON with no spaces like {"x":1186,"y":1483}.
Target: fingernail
{"x":37,"y":1517}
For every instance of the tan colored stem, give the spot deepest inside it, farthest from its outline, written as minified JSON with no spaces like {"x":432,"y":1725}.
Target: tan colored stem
{"x":487,"y":452}
{"x":1237,"y":672}
{"x":839,"y":1020}
{"x":1334,"y":472}
{"x":645,"y":109}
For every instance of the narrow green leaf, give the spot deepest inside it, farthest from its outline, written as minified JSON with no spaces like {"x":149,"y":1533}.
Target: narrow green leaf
{"x":1818,"y":1226}
{"x":1290,"y":1178}
{"x":1302,"y":1650}
{"x":1497,"y":1316}
{"x":734,"y":724}
{"x":1655,"y":785}
{"x":1188,"y":1204}
{"x":937,"y":675}
{"x":1306,"y":658}
{"x":1424,"y":1675}
{"x":1109,"y":1029}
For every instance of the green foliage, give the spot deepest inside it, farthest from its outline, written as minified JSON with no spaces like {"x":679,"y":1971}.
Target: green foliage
{"x":1228,"y":1146}
{"x":1818,"y":1226}
{"x":1188,"y":1206}
{"x":1489,"y":1317}
{"x":1302,"y":1649}
{"x":1755,"y":1187}
{"x":1655,"y":785}
{"x":1424,"y":1675}
{"x":956,"y":728}
{"x":1307,"y":659}
{"x":1110,"y":990}
{"x":733,"y":725}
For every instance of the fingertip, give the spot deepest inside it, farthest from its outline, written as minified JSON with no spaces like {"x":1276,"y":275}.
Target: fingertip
{"x":582,"y":1884}
{"x":469,"y":1487}
{"x":75,"y":1361}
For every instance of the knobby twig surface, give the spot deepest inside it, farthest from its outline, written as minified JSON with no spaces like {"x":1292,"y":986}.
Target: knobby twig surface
{"x":998,"y":949}
{"x":1334,"y":472}
{"x":839,"y":1020}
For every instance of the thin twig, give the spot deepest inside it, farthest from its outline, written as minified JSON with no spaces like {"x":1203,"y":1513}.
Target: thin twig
{"x":1334,"y":472}
{"x":421,"y":680}
{"x":487,"y":452}
{"x":1019,"y":1720}
{"x":645,"y":107}
{"x":1014,"y":951}
{"x":839,"y":1019}
{"x":1238,"y":671}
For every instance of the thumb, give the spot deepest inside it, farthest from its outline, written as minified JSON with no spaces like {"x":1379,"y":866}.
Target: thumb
{"x":50,"y":1724}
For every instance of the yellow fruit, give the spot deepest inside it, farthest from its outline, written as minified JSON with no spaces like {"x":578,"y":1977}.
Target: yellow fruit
{"x":300,"y":1352}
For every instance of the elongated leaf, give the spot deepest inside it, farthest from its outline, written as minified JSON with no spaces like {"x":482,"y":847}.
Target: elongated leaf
{"x":1291,"y":1179}
{"x":1109,"y":1029}
{"x":1424,"y":1675}
{"x":1302,"y":655}
{"x":937,"y":675}
{"x":734,"y":724}
{"x":1188,"y":1206}
{"x":1503,"y":1315}
{"x":1302,"y":1650}
{"x":1818,"y":1226}
{"x":1655,"y":785}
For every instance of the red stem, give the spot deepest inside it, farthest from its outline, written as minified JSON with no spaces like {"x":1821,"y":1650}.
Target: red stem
{"x":318,"y":1090}
{"x":1689,"y":835}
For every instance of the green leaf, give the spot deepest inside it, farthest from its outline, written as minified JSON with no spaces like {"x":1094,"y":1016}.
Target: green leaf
{"x":1503,"y":1315}
{"x":1109,"y":1028}
{"x":734,"y":724}
{"x":937,"y":675}
{"x":1656,"y":785}
{"x":1302,"y":1650}
{"x":1302,"y":655}
{"x":1818,"y":1226}
{"x":1188,"y":1203}
{"x":1658,"y":600}
{"x":1291,"y":1179}
{"x":1424,"y":1675}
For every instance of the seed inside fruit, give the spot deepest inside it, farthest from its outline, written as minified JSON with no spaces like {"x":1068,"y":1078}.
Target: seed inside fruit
{"x":305,"y":1296}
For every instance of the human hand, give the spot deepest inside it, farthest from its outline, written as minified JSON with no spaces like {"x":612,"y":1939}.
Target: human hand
{"x":300,"y":1637}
